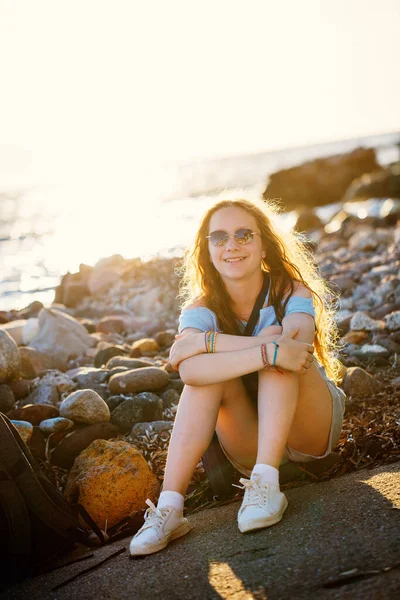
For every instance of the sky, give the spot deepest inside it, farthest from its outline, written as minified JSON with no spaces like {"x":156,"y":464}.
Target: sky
{"x":105,"y":90}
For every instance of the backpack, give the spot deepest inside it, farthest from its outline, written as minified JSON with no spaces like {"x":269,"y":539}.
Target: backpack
{"x":36,"y":521}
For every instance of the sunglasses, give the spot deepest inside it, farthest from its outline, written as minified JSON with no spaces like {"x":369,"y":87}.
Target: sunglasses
{"x":242,"y":237}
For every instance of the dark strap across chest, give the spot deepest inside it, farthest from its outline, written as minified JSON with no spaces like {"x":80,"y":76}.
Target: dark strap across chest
{"x":251,"y":323}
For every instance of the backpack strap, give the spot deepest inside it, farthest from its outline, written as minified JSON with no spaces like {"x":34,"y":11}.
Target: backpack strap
{"x":255,"y":313}
{"x":42,"y":498}
{"x":17,"y":517}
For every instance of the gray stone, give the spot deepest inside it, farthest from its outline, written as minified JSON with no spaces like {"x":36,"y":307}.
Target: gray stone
{"x":393,"y":321}
{"x":60,"y":335}
{"x":49,"y":426}
{"x":25,"y":429}
{"x":141,"y":408}
{"x":103,"y":356}
{"x":170,"y":398}
{"x":87,"y":376}
{"x":85,"y":406}
{"x":10,"y":364}
{"x":140,"y":429}
{"x":126,"y":361}
{"x":45,"y":393}
{"x":362,"y":322}
{"x":358,"y":382}
{"x":7,"y":398}
{"x":150,"y":379}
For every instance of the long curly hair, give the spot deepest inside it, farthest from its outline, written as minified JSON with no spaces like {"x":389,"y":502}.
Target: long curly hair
{"x":287,"y":261}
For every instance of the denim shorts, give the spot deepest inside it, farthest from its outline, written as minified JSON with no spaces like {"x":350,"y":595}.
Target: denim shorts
{"x":292,"y":455}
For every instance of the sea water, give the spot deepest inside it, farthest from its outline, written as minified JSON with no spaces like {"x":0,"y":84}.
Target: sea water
{"x":46,"y":231}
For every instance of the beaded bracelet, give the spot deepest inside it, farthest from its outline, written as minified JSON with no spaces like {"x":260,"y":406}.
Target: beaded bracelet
{"x":264,"y":357}
{"x":210,"y":338}
{"x":266,"y":363}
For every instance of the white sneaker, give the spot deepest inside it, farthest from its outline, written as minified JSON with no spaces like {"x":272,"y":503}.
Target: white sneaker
{"x":263,"y":504}
{"x":160,"y":527}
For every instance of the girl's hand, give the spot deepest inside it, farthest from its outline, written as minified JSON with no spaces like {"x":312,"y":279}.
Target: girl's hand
{"x":292,"y":355}
{"x":186,"y":345}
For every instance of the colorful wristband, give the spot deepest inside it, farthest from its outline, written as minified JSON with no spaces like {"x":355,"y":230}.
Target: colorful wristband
{"x":275,"y":353}
{"x":264,"y":357}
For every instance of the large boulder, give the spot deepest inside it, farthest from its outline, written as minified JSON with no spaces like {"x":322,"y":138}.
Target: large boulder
{"x":321,"y":181}
{"x":381,"y":184}
{"x":112,"y":480}
{"x":61,"y":336}
{"x":10,"y":364}
{"x":106,"y":272}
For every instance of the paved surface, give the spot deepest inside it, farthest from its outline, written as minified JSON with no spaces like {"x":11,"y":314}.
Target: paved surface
{"x":329,"y":528}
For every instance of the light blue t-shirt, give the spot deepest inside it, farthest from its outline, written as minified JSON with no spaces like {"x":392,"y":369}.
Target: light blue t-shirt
{"x":204,"y":319}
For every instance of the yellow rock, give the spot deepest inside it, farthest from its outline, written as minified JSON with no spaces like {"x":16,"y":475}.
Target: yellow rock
{"x":112,"y":480}
{"x":144,"y":347}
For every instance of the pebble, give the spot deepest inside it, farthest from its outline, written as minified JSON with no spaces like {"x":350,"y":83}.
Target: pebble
{"x":144,"y":347}
{"x":34,"y":413}
{"x":140,"y":429}
{"x":68,"y":449}
{"x":10,"y":363}
{"x":393,"y":321}
{"x":85,"y":406}
{"x":361,"y":321}
{"x":49,"y":426}
{"x":105,"y":354}
{"x":358,"y":382}
{"x":170,"y":398}
{"x":129,"y":363}
{"x":25,"y":429}
{"x":7,"y":398}
{"x":44,"y":393}
{"x":87,"y":376}
{"x":20,"y":388}
{"x":150,"y":379}
{"x":34,"y":363}
{"x":141,"y":408}
{"x":111,"y":324}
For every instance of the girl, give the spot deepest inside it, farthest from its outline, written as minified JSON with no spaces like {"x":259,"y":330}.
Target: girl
{"x":297,"y":412}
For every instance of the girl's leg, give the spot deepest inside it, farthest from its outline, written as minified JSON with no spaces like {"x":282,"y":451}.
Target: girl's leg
{"x":300,"y":416}
{"x":201,"y":409}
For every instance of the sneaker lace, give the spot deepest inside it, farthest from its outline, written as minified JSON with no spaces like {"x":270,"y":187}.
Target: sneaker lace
{"x":153,"y":516}
{"x":255,"y":493}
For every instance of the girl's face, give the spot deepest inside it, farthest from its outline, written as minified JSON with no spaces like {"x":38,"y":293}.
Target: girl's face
{"x":233,"y":260}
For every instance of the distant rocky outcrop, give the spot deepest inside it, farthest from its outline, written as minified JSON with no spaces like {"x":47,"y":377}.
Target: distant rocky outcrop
{"x":320,"y":181}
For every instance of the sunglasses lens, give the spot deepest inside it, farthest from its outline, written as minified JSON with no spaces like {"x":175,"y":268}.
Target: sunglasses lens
{"x":243,"y":236}
{"x":218,"y":238}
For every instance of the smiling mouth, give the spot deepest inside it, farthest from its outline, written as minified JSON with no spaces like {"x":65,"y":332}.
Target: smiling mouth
{"x":237,"y":259}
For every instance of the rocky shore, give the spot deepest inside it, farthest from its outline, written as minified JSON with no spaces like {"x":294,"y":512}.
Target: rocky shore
{"x":88,"y":384}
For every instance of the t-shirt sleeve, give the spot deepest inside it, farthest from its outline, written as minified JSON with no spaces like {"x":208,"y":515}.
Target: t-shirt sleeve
{"x":302,"y":305}
{"x":200,"y":318}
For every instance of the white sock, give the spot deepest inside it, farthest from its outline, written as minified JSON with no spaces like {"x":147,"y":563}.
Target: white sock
{"x":170,"y":498}
{"x":267,"y":473}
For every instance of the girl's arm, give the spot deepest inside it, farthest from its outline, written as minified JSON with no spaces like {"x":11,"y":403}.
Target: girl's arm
{"x":206,"y":369}
{"x":192,"y":342}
